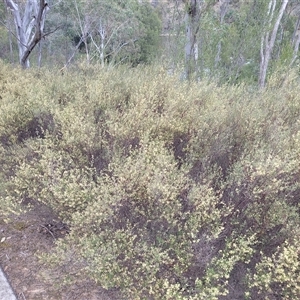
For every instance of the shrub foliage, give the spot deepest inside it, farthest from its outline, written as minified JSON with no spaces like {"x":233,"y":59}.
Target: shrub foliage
{"x":172,"y":190}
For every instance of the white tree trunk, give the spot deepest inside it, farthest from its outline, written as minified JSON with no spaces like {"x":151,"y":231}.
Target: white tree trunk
{"x":102,"y":33}
{"x":8,"y":22}
{"x":29,"y":26}
{"x":85,"y":30}
{"x":267,"y":42}
{"x":296,"y":41}
{"x":192,"y":17}
{"x":223,"y":11}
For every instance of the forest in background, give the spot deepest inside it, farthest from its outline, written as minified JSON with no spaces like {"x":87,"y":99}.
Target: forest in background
{"x":229,"y":40}
{"x":175,"y":167}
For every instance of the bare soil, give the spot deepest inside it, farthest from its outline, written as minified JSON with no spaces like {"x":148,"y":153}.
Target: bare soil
{"x":20,"y":240}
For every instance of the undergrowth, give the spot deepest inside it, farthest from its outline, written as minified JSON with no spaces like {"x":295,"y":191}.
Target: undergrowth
{"x":172,"y":190}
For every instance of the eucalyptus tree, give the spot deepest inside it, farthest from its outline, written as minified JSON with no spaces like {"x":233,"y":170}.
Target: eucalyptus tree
{"x":29,"y":18}
{"x":296,"y":36}
{"x":273,"y":18}
{"x":192,"y":19}
{"x":223,"y":10}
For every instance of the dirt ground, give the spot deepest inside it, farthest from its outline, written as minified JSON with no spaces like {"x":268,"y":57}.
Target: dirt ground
{"x":20,"y":240}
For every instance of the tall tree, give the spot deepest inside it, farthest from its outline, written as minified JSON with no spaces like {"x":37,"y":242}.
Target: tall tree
{"x":296,"y":37}
{"x":29,"y":25}
{"x":269,"y":36}
{"x":192,"y":18}
{"x":223,"y":10}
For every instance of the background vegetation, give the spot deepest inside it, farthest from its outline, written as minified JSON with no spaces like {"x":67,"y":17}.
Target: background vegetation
{"x":230,"y":41}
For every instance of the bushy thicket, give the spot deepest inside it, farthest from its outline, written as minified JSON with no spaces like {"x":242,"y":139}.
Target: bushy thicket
{"x":172,"y":190}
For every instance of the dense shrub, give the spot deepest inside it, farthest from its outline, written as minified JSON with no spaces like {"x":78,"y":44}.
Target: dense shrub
{"x":172,"y":190}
